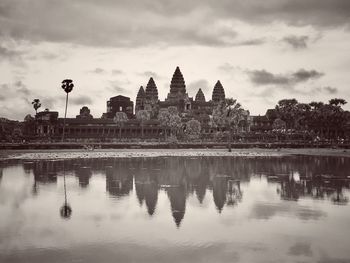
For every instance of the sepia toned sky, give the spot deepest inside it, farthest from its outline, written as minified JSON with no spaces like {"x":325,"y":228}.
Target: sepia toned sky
{"x":262,"y":51}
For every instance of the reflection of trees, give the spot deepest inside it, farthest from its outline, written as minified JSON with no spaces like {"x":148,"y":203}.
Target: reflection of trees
{"x":234,"y":193}
{"x":316,"y":187}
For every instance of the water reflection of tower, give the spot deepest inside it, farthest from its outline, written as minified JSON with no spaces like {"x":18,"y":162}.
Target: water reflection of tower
{"x":146,"y":186}
{"x":173,"y":178}
{"x":198,"y":176}
{"x":84,"y":174}
{"x":118,"y":179}
{"x":177,"y":197}
{"x":219,"y":191}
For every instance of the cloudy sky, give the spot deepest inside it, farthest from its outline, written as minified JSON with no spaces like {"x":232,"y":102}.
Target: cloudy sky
{"x":262,"y":51}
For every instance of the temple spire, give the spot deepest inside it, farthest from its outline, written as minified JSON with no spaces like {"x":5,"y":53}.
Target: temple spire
{"x":218,"y":92}
{"x":177,"y":85}
{"x":151,"y":90}
{"x":140,"y":99}
{"x":200,"y":96}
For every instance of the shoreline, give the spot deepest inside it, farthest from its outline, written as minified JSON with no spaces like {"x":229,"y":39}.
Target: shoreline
{"x":144,"y":153}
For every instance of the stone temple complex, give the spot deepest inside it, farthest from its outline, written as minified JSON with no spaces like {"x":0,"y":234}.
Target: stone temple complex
{"x":197,"y":108}
{"x":106,"y":128}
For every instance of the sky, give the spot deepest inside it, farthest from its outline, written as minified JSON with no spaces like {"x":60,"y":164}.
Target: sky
{"x":261,"y":51}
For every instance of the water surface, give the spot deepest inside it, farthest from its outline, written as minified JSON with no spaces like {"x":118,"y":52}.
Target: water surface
{"x":176,"y":209}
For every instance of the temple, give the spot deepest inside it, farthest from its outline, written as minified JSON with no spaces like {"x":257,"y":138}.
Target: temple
{"x":84,"y":126}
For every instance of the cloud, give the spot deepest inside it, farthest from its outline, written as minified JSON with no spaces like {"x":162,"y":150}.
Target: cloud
{"x":297,"y":42}
{"x":127,"y":23}
{"x":194,"y":86}
{"x":263,"y":77}
{"x":117,"y":72}
{"x":98,"y":71}
{"x":330,"y":90}
{"x":6,"y":53}
{"x":117,"y":86}
{"x":267,"y":211}
{"x":300,"y":249}
{"x":82,"y":100}
{"x":149,"y":74}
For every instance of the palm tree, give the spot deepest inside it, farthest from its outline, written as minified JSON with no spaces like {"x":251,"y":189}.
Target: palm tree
{"x":120,"y":118}
{"x":36,"y":105}
{"x":67,"y":86}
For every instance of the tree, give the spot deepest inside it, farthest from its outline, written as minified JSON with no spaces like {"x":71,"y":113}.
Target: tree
{"x":169,"y":118}
{"x":193,"y":129}
{"x":120,"y":118}
{"x":36,"y":105}
{"x":229,"y":113}
{"x":337,"y":102}
{"x":164,"y":120}
{"x":326,"y":117}
{"x":142,"y":116}
{"x":287,"y":111}
{"x":67,"y":86}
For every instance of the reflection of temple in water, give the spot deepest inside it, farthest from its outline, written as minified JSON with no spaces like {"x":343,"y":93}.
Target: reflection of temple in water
{"x":84,"y":173}
{"x":119,"y":180}
{"x":294,"y":177}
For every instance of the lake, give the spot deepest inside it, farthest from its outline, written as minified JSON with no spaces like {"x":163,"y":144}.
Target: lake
{"x":176,"y":209}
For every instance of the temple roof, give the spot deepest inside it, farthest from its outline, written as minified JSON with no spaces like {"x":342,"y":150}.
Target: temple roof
{"x":151,"y":90}
{"x":200,"y":96}
{"x":218,"y":92}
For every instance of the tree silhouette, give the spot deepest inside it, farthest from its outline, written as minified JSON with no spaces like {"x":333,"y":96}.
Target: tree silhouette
{"x":193,"y":129}
{"x":142,"y":116}
{"x":67,"y":86}
{"x":120,"y":118}
{"x":36,"y":105}
{"x":229,"y":113}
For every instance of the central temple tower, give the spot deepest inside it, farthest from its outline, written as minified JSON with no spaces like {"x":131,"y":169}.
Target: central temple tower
{"x":177,"y":87}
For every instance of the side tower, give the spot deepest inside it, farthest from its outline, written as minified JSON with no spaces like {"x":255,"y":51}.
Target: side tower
{"x":151,"y":98}
{"x":140,"y":100}
{"x":200,"y":96}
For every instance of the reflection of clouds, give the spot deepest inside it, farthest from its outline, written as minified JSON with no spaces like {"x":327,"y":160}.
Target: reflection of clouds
{"x":326,"y":259}
{"x":269,"y":210}
{"x":300,"y":249}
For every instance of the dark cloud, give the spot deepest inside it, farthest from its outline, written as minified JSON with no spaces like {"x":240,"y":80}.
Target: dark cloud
{"x":139,"y":23}
{"x":203,"y":84}
{"x":21,"y":88}
{"x":251,"y":42}
{"x":117,"y":72}
{"x":98,"y":71}
{"x":300,"y":249}
{"x":81,"y":100}
{"x":304,"y":75}
{"x":297,"y":42}
{"x":7,"y":53}
{"x":263,"y":77}
{"x":116,"y":86}
{"x":330,"y":90}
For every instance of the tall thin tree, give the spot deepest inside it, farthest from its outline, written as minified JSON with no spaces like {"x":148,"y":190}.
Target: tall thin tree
{"x":67,"y":86}
{"x":36,"y":105}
